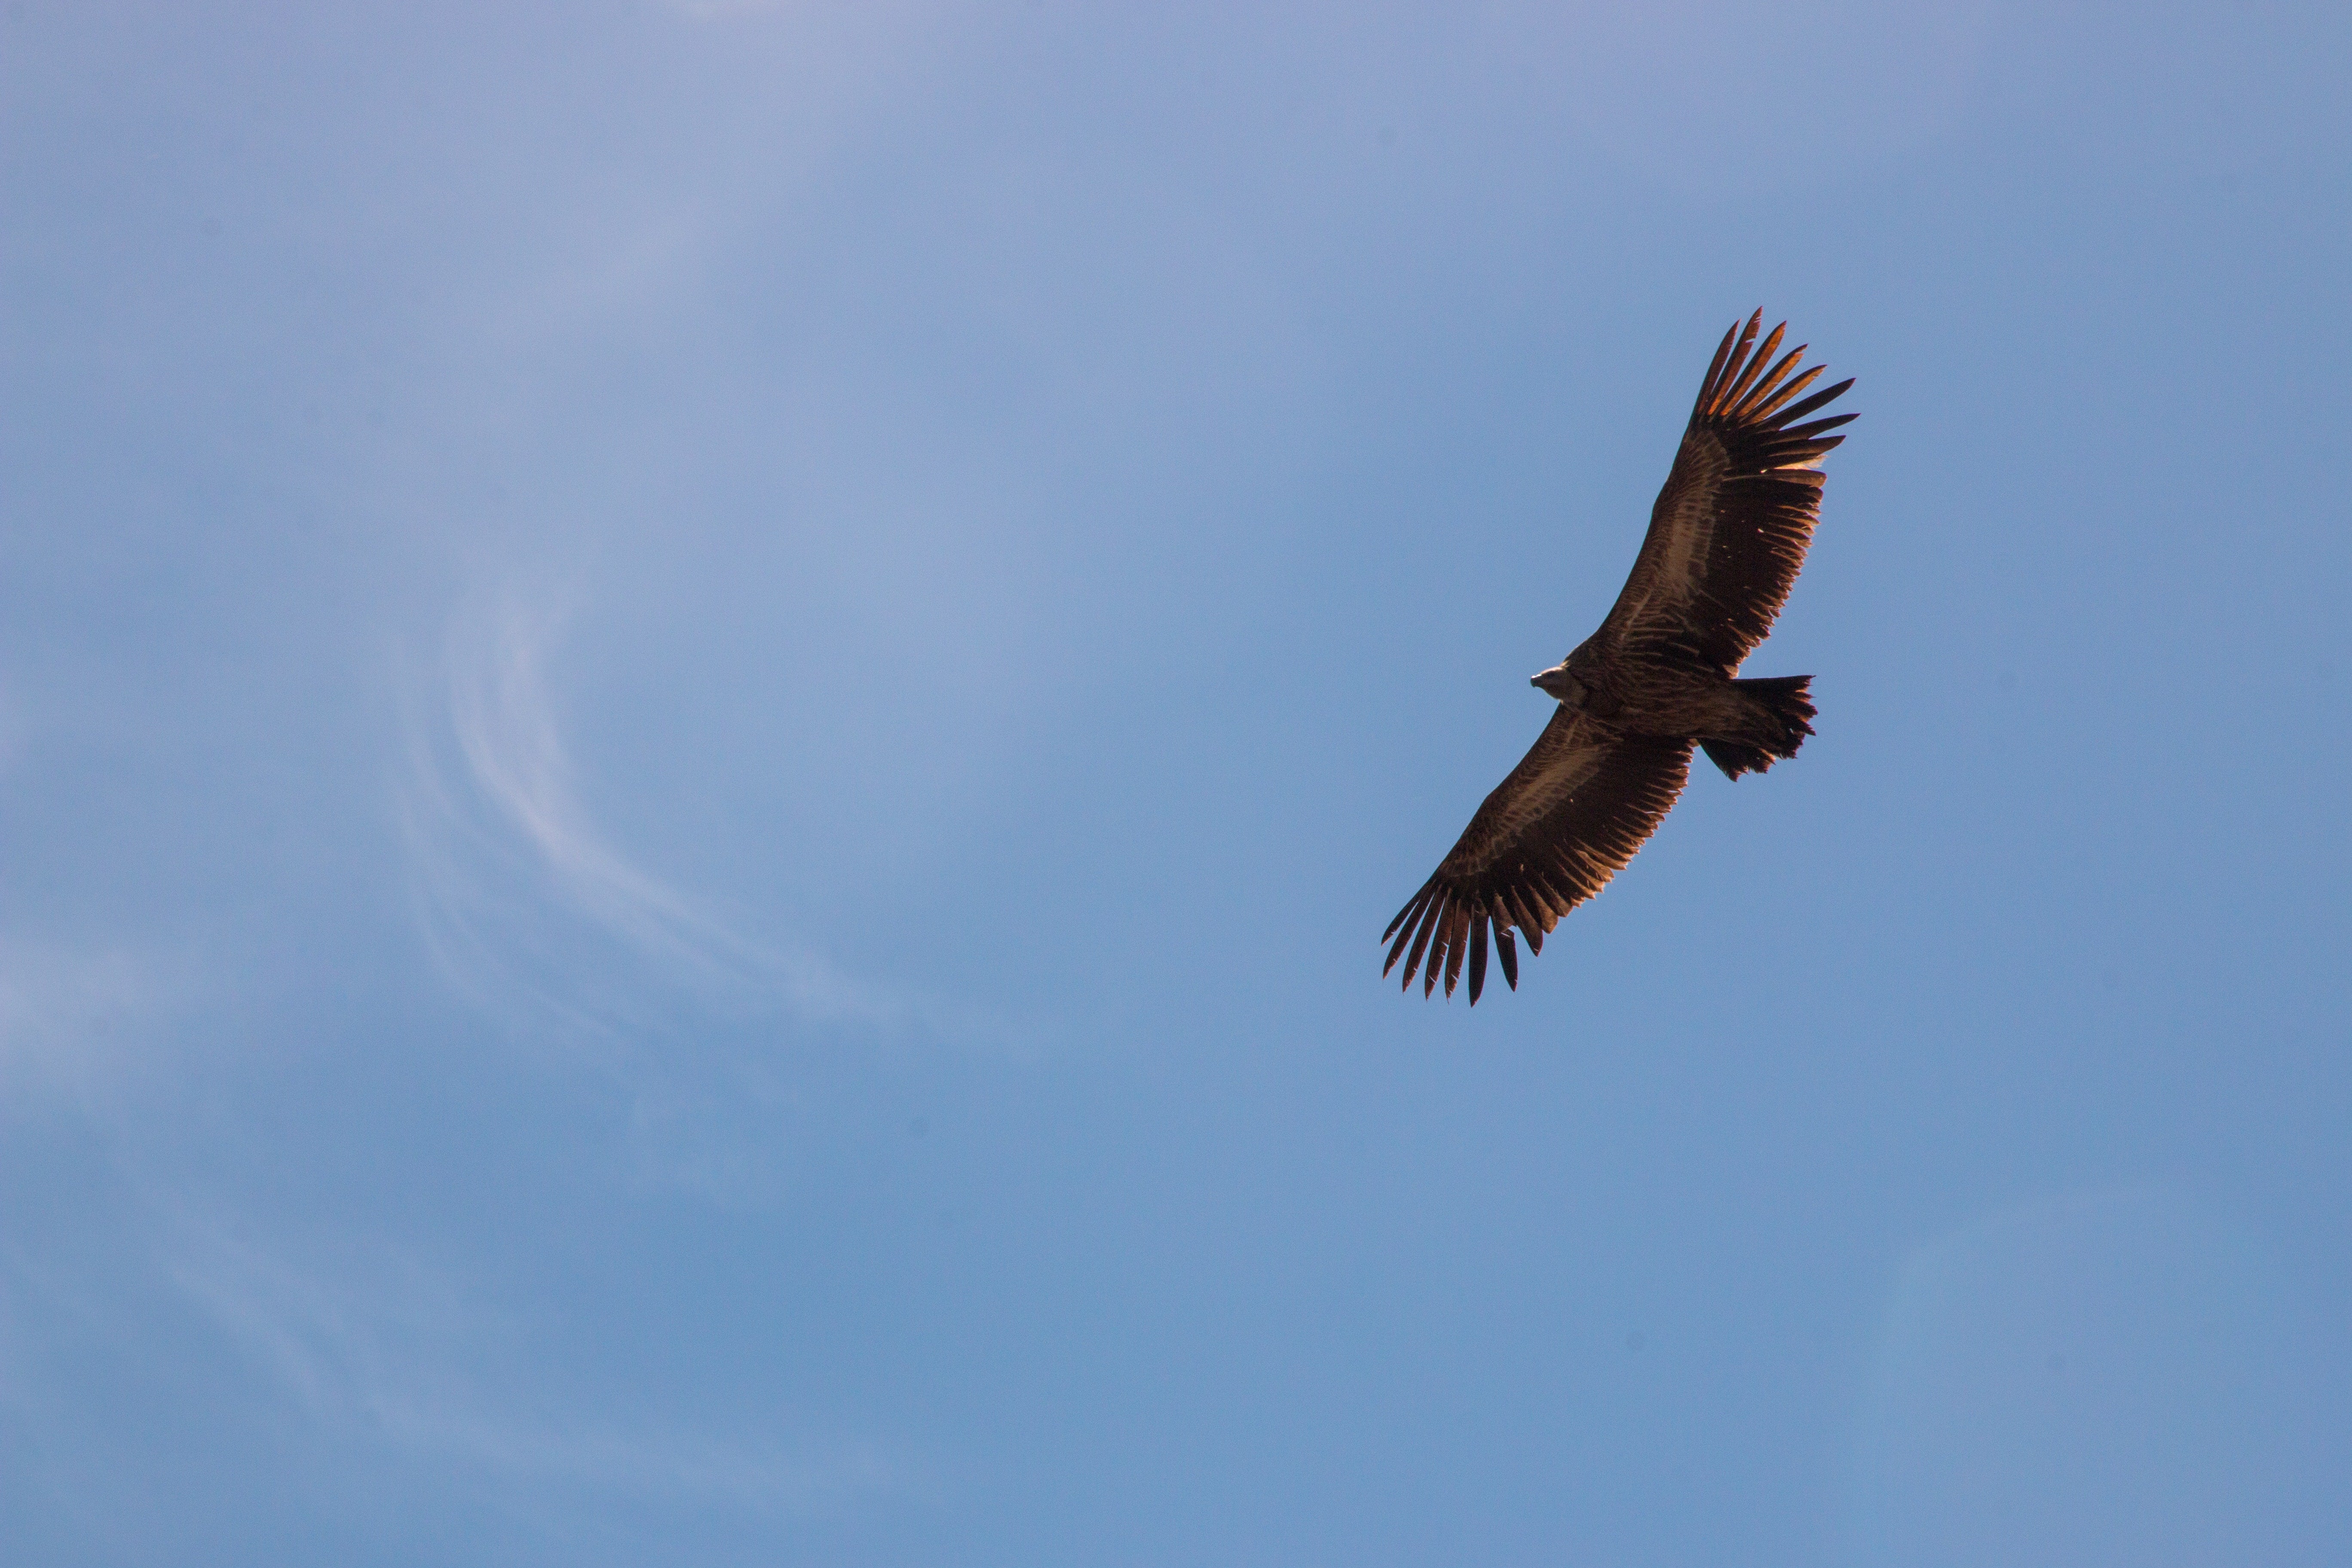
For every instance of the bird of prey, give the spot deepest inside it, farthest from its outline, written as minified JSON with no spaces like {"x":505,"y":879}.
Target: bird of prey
{"x":1726,"y":537}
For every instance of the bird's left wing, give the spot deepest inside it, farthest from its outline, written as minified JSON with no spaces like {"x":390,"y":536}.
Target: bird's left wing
{"x":1551,"y":835}
{"x":1730,"y":527}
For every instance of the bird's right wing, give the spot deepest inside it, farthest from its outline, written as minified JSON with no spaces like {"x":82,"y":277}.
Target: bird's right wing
{"x":1551,"y":835}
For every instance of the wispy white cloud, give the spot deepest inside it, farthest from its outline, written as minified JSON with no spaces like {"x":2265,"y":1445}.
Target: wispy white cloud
{"x":514,"y":870}
{"x":509,"y":854}
{"x":688,"y":1466}
{"x":375,"y":1347}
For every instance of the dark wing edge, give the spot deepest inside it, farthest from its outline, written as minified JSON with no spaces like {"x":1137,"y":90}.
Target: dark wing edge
{"x":1732,"y":523}
{"x":1499,"y":880}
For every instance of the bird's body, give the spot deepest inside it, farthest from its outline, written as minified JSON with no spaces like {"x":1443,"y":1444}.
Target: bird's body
{"x":1726,"y":537}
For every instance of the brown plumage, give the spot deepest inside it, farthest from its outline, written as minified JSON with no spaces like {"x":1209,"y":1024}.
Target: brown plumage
{"x":1726,"y":537}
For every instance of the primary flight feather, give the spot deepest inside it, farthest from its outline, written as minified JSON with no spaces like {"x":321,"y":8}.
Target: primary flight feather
{"x":1726,"y":537}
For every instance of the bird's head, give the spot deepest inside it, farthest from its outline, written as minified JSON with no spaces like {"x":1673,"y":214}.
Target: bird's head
{"x":1559,"y":684}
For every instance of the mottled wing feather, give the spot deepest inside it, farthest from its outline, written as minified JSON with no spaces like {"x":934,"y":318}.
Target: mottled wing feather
{"x":1551,"y":835}
{"x":1730,"y":528}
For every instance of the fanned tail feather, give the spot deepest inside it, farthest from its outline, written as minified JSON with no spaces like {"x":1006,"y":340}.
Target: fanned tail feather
{"x":1785,"y":700}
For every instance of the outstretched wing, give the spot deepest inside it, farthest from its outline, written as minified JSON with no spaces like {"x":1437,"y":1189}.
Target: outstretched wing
{"x":1552,"y":834}
{"x":1729,"y":529}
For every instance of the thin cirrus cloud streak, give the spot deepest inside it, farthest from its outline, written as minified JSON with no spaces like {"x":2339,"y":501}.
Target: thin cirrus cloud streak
{"x":379,"y":1349}
{"x":523,"y":896}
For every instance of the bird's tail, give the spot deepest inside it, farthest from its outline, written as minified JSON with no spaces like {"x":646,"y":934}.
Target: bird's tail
{"x":1782,"y":713}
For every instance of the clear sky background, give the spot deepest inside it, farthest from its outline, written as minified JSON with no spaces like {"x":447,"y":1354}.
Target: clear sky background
{"x":707,"y":712}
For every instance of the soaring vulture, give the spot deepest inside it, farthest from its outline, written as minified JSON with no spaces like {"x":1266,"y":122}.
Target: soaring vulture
{"x":1726,"y":537}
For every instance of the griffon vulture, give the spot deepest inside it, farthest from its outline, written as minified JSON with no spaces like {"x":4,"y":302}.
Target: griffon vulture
{"x":1726,"y":537}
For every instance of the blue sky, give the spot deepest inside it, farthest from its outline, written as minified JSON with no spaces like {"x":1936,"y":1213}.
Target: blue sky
{"x":706,"y":712}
